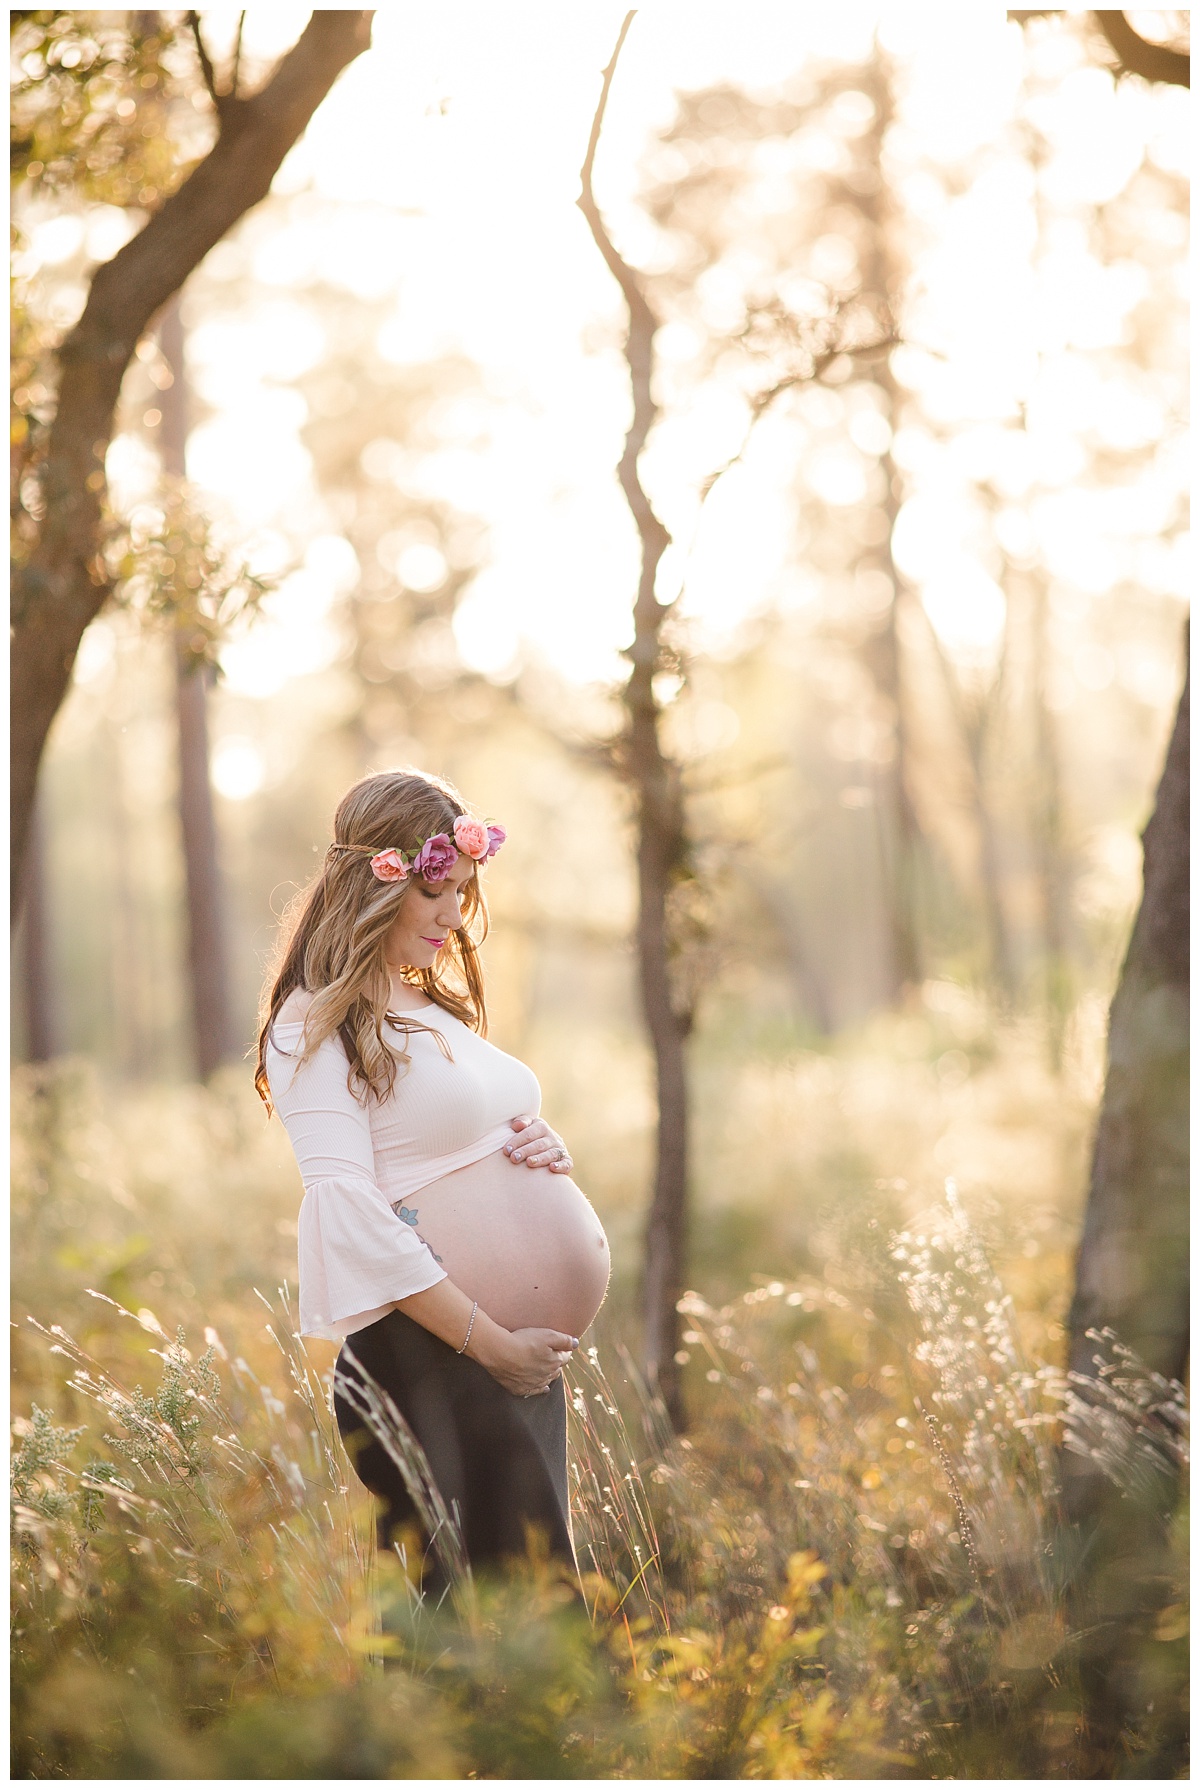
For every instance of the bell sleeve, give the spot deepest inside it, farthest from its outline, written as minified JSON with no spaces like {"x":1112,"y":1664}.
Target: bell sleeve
{"x":356,"y":1257}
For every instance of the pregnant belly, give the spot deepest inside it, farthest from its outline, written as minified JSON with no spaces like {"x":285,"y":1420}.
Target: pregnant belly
{"x":524,"y":1242}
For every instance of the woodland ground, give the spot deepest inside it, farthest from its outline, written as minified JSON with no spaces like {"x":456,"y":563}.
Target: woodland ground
{"x":849,"y":1567}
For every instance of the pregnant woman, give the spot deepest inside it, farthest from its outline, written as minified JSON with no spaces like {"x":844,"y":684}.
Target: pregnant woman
{"x":440,"y":1235}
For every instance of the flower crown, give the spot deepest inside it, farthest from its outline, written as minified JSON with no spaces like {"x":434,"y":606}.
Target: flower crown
{"x":436,"y":858}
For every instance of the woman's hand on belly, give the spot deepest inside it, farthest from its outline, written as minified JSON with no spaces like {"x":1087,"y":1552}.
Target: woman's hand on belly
{"x":539,"y":1147}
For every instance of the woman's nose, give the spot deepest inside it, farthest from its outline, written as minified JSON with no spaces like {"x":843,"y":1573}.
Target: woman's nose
{"x":450,"y":914}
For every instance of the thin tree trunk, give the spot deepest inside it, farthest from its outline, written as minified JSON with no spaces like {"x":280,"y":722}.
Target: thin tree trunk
{"x":62,"y":586}
{"x":905,"y":829}
{"x":37,"y":969}
{"x":1048,"y":835}
{"x":130,"y":947}
{"x":973,"y":731}
{"x":901,"y":829}
{"x":1004,"y":975}
{"x":811,"y":994}
{"x":662,"y":848}
{"x":207,"y":957}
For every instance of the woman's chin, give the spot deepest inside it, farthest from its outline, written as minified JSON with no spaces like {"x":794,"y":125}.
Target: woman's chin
{"x":421,"y":957}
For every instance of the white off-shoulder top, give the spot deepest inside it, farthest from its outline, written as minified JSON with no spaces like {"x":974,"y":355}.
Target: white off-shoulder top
{"x":362,"y":1159}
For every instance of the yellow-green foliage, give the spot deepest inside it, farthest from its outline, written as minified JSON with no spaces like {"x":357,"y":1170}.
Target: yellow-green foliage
{"x":848,"y":1568}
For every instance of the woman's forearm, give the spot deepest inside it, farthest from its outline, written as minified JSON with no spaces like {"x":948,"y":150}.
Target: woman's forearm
{"x":525,"y":1362}
{"x":445,"y":1310}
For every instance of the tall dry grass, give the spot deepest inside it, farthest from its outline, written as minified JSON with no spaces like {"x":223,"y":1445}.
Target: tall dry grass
{"x":852,"y":1566}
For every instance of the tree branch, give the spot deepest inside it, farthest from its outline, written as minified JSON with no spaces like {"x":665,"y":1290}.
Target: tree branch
{"x":237,"y":57}
{"x":587,"y":204}
{"x":643,"y":323}
{"x":206,"y":67}
{"x":763,"y":400}
{"x":1138,"y":56}
{"x":61,"y":587}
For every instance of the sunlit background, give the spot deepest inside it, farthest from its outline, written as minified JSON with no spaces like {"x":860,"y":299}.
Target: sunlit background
{"x":407,"y":402}
{"x":921,"y":377}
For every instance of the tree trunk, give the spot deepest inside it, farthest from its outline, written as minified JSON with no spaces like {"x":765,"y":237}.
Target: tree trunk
{"x":973,"y":718}
{"x":904,"y":829}
{"x":62,"y":586}
{"x":661,"y":856}
{"x":1131,"y":1277}
{"x":207,"y":959}
{"x":1003,"y":964}
{"x":37,"y":973}
{"x":662,"y":848}
{"x":131,"y":968}
{"x":811,"y":995}
{"x":1131,"y":1272}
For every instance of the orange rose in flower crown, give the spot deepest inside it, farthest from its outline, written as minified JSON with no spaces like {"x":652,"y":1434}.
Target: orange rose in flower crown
{"x":471,"y":836}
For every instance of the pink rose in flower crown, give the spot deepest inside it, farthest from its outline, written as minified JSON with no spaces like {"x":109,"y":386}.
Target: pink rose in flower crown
{"x":436,"y":858}
{"x":389,"y":867}
{"x":496,"y":838}
{"x":471,"y":836}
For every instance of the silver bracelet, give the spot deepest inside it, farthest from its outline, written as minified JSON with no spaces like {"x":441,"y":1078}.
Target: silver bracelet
{"x":470,"y":1327}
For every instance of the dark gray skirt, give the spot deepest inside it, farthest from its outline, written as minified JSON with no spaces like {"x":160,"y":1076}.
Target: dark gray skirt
{"x":498,"y":1461}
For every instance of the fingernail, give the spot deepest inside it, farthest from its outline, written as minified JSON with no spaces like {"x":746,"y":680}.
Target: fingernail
{"x":518,"y":1156}
{"x":574,"y":1342}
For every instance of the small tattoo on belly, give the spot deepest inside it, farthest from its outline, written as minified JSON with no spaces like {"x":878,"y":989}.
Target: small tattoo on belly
{"x":409,"y":1215}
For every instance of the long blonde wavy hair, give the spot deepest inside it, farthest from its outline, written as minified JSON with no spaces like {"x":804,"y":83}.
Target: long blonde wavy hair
{"x":332,"y":937}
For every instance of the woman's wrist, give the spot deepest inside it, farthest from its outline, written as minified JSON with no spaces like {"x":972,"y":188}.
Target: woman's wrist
{"x":489,"y":1342}
{"x":455,"y":1318}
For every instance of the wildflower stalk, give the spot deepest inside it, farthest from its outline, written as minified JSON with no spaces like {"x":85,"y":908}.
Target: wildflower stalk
{"x":964,"y":1522}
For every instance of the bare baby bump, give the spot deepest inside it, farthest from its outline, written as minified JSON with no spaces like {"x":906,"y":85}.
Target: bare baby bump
{"x":524,"y":1242}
